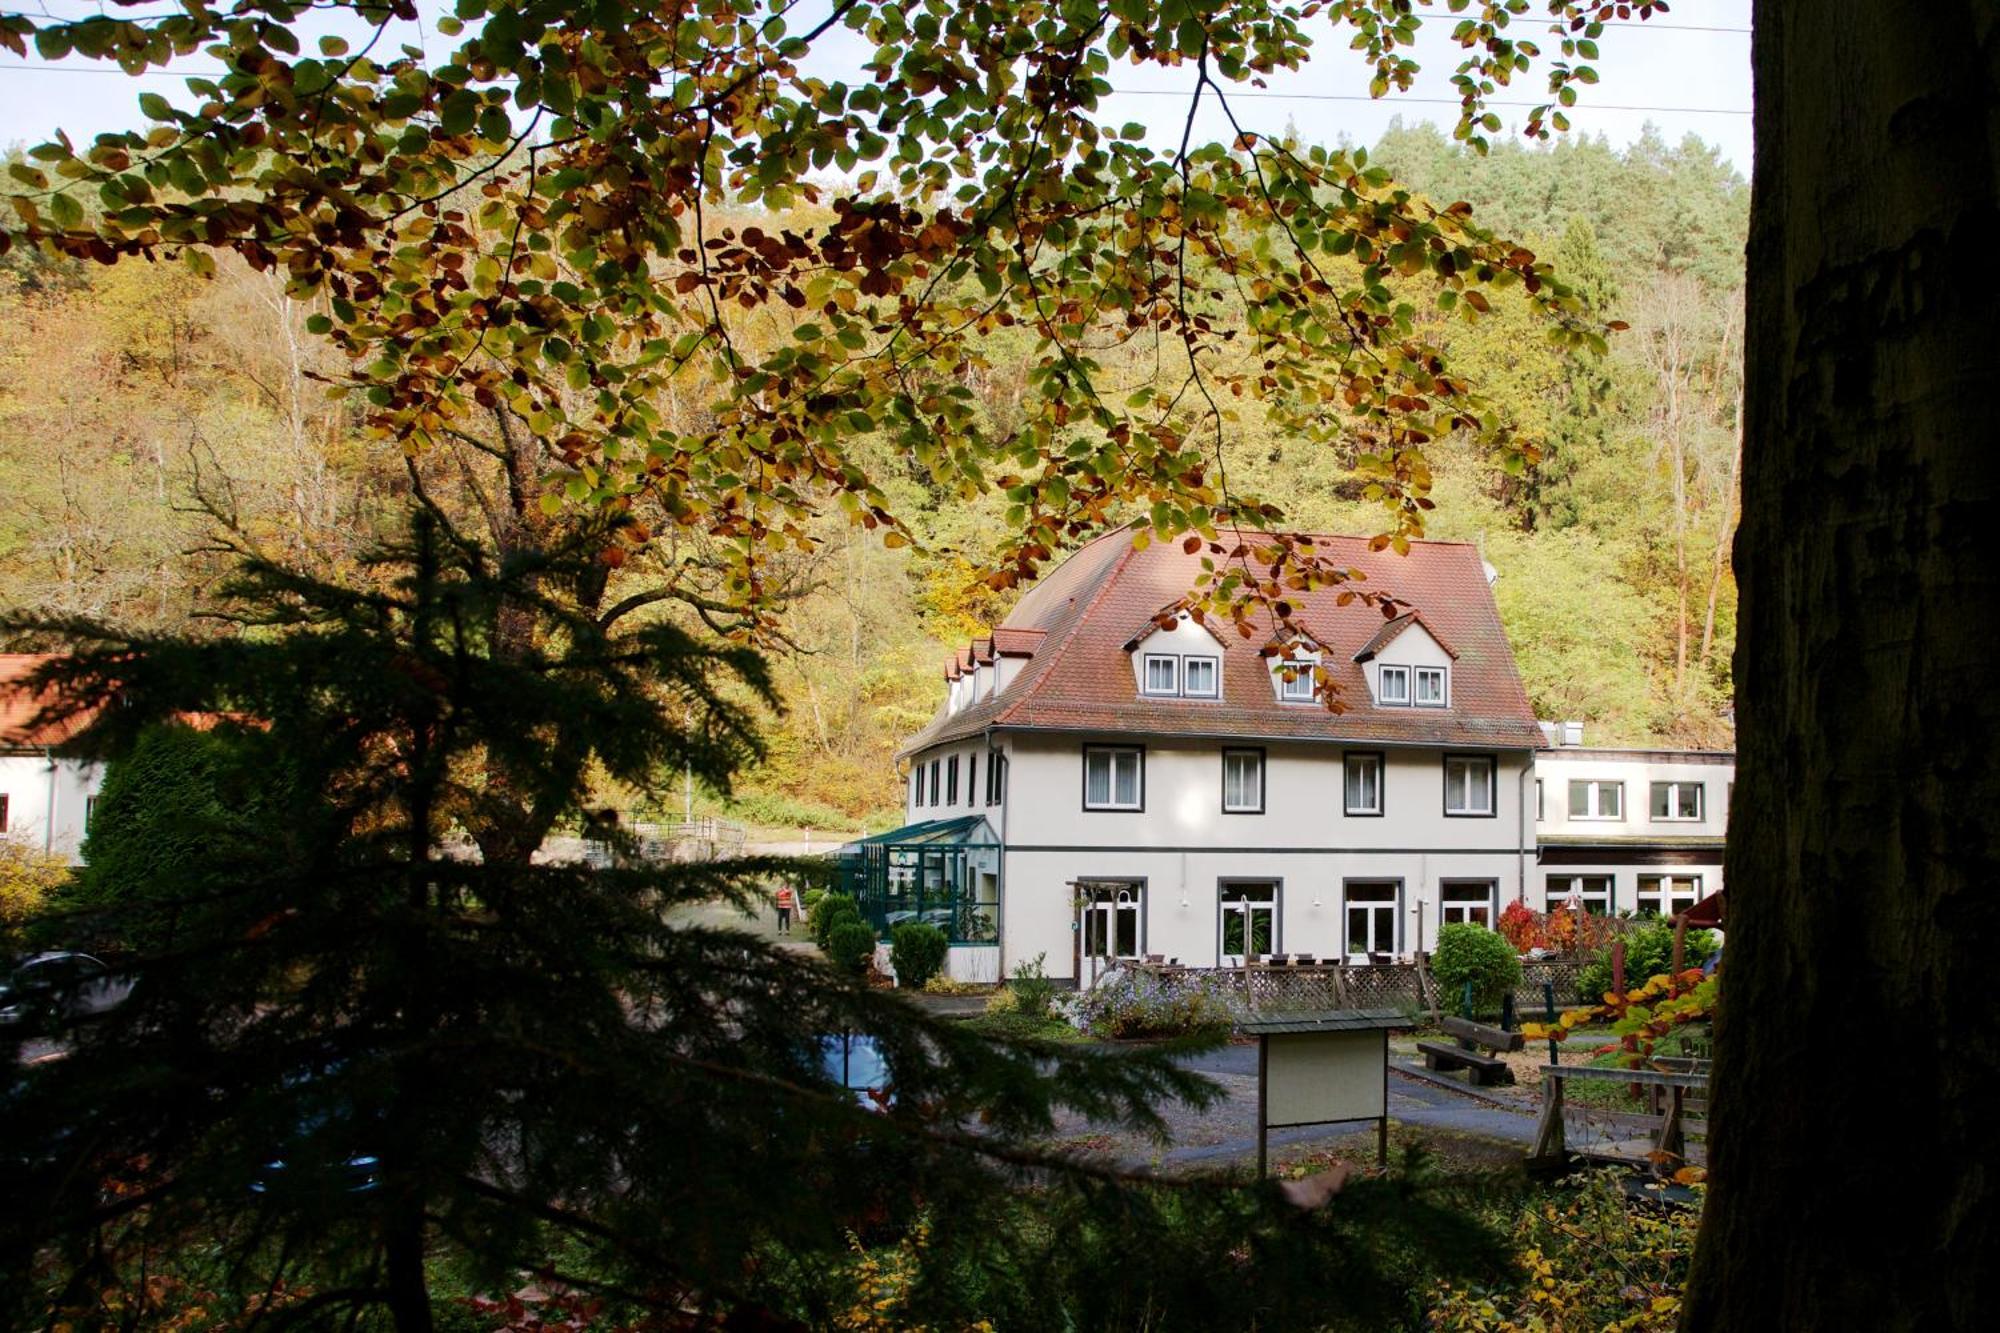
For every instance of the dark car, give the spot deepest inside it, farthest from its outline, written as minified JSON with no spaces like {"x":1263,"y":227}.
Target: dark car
{"x":329,"y":1149}
{"x":53,"y":989}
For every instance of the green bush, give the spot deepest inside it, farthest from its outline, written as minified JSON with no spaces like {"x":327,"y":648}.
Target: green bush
{"x":828,"y":912}
{"x":851,"y":946}
{"x":1034,"y":993}
{"x":186,"y":820}
{"x":1469,"y":953}
{"x":1649,"y":952}
{"x":917,"y":951}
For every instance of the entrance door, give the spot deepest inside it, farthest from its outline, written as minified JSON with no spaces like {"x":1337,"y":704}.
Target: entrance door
{"x":1113,"y":920}
{"x":1249,"y":921}
{"x":1371,"y":918}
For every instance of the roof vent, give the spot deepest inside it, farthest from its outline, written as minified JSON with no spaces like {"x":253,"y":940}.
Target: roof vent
{"x":1492,"y":574}
{"x":1572,"y":733}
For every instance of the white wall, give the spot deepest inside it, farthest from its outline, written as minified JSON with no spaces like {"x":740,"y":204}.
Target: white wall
{"x":1183,"y":846}
{"x":1304,"y":800}
{"x":1635,"y":828}
{"x":26,"y":781}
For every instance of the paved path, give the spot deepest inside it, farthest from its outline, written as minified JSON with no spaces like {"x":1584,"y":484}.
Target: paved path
{"x":1227,"y":1131}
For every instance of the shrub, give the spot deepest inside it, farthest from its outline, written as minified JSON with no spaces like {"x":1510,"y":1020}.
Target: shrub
{"x":829,"y":911}
{"x":1469,"y":953}
{"x":1589,"y":1257}
{"x":917,"y":951}
{"x":1649,"y":952}
{"x":29,"y":876}
{"x":1033,"y":993}
{"x":1522,"y":926}
{"x":1130,"y":1003}
{"x":851,"y":946}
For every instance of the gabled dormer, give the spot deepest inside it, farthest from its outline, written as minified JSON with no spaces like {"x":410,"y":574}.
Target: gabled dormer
{"x":1408,"y":665}
{"x":1296,"y":661}
{"x":1176,"y":657}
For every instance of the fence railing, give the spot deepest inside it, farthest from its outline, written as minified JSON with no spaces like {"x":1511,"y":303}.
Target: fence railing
{"x":1407,"y":986}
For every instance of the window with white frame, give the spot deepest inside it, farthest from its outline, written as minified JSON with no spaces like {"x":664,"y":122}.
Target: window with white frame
{"x":1668,"y":895}
{"x":1468,"y":784}
{"x":1468,"y":901}
{"x":1364,"y":784}
{"x":972,"y":778}
{"x":1243,"y":782}
{"x":1677,"y":802}
{"x":1114,"y":778}
{"x":1163,"y":674}
{"x":1393,"y":685}
{"x":1430,"y":687}
{"x":1538,"y":800}
{"x":1199,"y":677}
{"x":917,"y":786}
{"x":1296,"y":678}
{"x":1371,"y":918}
{"x":1595,"y":892}
{"x":1594,"y":798}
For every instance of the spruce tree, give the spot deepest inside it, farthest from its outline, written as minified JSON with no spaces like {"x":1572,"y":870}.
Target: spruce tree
{"x":364,"y":1056}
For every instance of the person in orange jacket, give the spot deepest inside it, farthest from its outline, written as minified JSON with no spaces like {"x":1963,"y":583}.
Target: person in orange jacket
{"x":788,"y":902}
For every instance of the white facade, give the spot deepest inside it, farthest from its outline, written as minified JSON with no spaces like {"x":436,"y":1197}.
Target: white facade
{"x":1337,"y":884}
{"x":1631,"y":831}
{"x":47,"y":800}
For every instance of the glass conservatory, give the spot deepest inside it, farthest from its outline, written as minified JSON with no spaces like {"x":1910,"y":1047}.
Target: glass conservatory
{"x":944,"y":871}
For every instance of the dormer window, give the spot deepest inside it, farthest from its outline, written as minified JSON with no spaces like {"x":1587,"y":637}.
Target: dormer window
{"x":1297,"y":687}
{"x":1394,"y":687}
{"x":1430,"y":687}
{"x":1198,"y":678}
{"x":1189,"y":677}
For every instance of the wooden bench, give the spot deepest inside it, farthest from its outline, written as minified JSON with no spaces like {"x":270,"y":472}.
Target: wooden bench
{"x":1486,"y":1070}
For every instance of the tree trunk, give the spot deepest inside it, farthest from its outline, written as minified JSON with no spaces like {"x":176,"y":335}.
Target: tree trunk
{"x":1854,"y":1163}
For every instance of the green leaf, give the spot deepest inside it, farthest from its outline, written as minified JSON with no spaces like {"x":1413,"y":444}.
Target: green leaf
{"x":155,"y":107}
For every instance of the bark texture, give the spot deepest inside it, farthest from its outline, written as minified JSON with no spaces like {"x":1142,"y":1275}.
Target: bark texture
{"x":1856,"y":1135}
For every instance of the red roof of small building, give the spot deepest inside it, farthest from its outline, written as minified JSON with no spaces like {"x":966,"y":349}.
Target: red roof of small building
{"x":21,"y":707}
{"x":1087,"y":609}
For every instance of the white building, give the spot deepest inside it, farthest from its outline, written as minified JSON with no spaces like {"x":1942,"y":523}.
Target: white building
{"x":1630,"y":831}
{"x":45,"y":799}
{"x":1124,"y":782}
{"x":1156,"y":788}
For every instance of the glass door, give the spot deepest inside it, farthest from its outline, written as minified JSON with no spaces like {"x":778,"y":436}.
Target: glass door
{"x":1249,"y":921}
{"x":1111,"y":922}
{"x":1371,"y":920}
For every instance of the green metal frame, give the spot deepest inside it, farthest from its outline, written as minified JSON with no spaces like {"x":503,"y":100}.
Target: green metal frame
{"x":943,"y":871}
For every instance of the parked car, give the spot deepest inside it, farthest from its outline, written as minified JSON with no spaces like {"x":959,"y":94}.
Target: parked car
{"x":52,"y":989}
{"x":329,"y":1149}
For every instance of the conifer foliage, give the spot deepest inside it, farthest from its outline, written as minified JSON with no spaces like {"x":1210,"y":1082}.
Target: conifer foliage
{"x":364,"y":1053}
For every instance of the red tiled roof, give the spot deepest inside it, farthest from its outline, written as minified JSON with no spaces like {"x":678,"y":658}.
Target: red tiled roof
{"x":20,"y":707}
{"x":1013,"y":641}
{"x":1080,"y":677}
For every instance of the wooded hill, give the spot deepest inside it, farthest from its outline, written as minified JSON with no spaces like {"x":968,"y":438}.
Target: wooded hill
{"x":153,"y":422}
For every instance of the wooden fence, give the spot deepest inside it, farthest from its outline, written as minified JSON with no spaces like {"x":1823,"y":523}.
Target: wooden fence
{"x":1405,"y":986}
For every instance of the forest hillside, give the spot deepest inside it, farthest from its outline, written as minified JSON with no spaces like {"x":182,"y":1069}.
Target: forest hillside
{"x":153,"y":422}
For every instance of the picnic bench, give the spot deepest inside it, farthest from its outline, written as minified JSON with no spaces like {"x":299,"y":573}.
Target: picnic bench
{"x":1468,"y":1052}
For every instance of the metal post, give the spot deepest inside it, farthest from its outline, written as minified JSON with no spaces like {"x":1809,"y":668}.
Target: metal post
{"x":1382,"y":1125}
{"x":1549,"y":999}
{"x":1263,"y":1107}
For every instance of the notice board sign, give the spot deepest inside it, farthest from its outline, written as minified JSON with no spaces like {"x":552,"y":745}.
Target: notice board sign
{"x":1322,"y":1068}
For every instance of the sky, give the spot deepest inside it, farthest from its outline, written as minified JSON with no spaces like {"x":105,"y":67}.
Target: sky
{"x":1685,"y":72}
